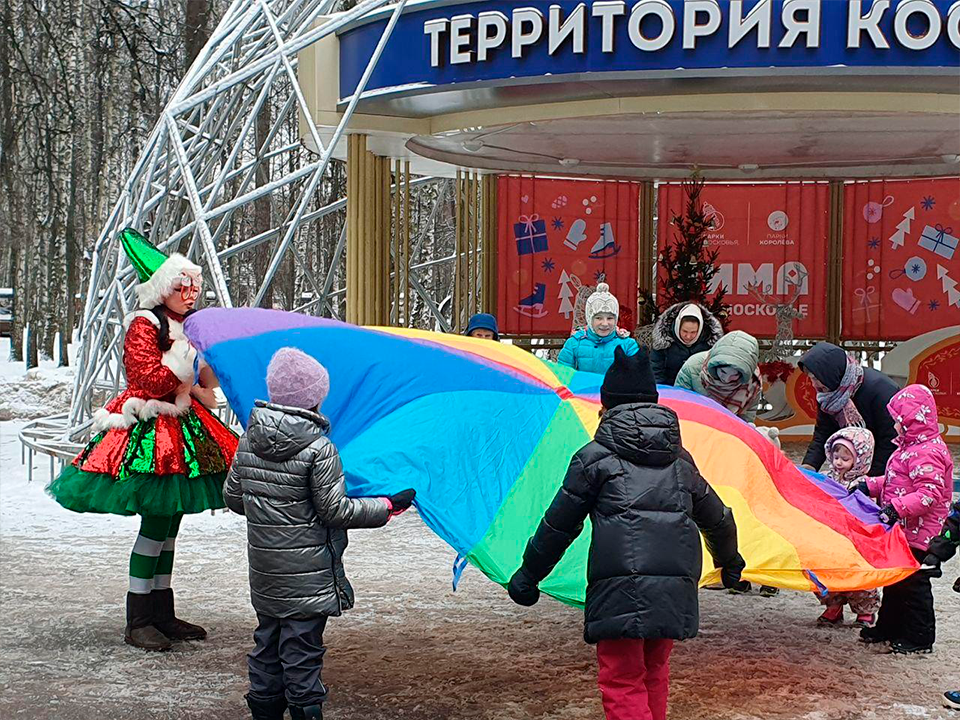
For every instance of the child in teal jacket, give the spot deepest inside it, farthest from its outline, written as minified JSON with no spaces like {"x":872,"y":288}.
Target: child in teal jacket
{"x":591,"y":349}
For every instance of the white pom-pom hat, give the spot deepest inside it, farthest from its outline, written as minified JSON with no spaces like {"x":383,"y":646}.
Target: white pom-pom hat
{"x":602,"y":301}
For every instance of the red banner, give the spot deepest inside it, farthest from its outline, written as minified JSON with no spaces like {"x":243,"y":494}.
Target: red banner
{"x":557,"y":236}
{"x":901,"y":260}
{"x":773,"y":243}
{"x":938,"y":368}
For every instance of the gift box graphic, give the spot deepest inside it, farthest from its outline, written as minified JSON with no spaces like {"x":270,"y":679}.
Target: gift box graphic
{"x":938,"y":239}
{"x":531,"y":234}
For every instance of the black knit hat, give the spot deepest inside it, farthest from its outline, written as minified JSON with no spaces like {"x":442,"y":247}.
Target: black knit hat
{"x":629,"y":380}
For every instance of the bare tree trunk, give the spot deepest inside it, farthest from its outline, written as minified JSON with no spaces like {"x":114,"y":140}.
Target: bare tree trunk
{"x":262,"y":207}
{"x":196,"y":29}
{"x":70,"y":274}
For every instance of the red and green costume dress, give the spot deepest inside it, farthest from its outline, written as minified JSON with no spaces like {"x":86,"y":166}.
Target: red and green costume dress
{"x":157,"y":451}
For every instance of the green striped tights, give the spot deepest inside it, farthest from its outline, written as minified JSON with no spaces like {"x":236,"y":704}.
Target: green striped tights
{"x":151,"y":562}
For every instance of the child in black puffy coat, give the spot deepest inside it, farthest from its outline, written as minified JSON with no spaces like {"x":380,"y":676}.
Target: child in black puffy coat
{"x":648,"y":504}
{"x":942,"y":548}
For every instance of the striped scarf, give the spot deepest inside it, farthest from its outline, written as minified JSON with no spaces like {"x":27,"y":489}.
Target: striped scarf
{"x":839,"y":403}
{"x":735,"y":395}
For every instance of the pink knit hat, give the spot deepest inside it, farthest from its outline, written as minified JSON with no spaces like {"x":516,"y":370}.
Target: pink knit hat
{"x":297,"y":380}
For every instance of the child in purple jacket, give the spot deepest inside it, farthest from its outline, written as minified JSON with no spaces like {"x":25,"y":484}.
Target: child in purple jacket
{"x":915,"y":492}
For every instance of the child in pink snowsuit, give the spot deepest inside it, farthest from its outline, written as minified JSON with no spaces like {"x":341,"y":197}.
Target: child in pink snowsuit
{"x":849,"y":456}
{"x":915,"y":491}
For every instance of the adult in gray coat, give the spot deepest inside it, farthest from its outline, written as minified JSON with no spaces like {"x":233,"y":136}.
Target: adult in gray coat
{"x":287,"y":480}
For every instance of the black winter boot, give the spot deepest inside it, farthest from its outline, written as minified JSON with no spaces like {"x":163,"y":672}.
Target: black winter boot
{"x":140,"y":631}
{"x":306,"y":712}
{"x":906,"y":647}
{"x":873,"y":635}
{"x":271,"y":708}
{"x":166,"y":621}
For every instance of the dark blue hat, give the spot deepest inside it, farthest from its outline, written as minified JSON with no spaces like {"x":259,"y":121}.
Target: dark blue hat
{"x":483,"y":321}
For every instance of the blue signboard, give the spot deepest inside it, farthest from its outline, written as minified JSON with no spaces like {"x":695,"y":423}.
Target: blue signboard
{"x":437,"y":44}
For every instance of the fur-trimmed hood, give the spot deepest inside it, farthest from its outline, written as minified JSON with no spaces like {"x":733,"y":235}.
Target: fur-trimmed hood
{"x":166,"y":277}
{"x":664,"y":334}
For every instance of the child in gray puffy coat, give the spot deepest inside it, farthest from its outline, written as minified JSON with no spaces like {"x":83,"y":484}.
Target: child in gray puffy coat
{"x":288,"y":481}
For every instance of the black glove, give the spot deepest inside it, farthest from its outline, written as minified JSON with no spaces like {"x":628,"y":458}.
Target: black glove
{"x":730,"y":575}
{"x":956,"y":585}
{"x":522,"y":589}
{"x":933,"y":562}
{"x":863,"y":487}
{"x":889,"y":514}
{"x":402,"y":500}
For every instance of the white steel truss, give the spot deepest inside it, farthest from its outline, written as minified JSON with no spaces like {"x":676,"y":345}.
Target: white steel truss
{"x":200,"y":165}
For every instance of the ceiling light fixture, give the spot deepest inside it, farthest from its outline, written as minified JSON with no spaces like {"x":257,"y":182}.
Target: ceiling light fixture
{"x":949,"y":158}
{"x":748,"y":167}
{"x":569,"y":162}
{"x":472,"y":145}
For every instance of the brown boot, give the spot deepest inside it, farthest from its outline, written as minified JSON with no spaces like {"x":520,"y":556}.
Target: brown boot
{"x":168,"y":623}
{"x":140,"y":631}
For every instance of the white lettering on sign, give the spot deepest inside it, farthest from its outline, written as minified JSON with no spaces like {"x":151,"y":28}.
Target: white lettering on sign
{"x":953,"y":24}
{"x":652,"y":25}
{"x":758,"y":18}
{"x":575,"y":27}
{"x":461,"y":27}
{"x":857,"y":24}
{"x":608,"y":11}
{"x":746,"y":275}
{"x":758,"y":310}
{"x":486,"y":41}
{"x":693,"y":29}
{"x":527,"y":29}
{"x":435,"y":28}
{"x":795,"y":26}
{"x":667,"y":25}
{"x":903,"y":34}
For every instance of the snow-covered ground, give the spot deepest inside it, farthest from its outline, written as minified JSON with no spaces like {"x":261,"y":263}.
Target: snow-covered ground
{"x":41,"y":391}
{"x":411,"y":648}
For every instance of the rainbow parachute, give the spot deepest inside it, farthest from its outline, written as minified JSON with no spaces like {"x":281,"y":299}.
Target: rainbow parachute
{"x":485,"y":431}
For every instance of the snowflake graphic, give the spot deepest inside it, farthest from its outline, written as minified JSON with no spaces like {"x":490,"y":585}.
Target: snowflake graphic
{"x":548,"y":265}
{"x":873,"y":243}
{"x":915,"y":268}
{"x":933,"y":305}
{"x":928,"y":202}
{"x":599,"y":276}
{"x":558,"y":223}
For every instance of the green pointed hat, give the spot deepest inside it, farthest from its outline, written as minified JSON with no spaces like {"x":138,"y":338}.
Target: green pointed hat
{"x":159,"y":275}
{"x":144,"y":256}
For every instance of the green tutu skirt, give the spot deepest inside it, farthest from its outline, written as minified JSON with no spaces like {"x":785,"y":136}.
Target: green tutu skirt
{"x":160,"y":466}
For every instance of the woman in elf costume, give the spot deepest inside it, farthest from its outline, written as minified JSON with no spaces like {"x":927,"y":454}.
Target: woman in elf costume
{"x":157,"y":451}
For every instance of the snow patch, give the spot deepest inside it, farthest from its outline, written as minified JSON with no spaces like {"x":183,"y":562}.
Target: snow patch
{"x":38,"y":392}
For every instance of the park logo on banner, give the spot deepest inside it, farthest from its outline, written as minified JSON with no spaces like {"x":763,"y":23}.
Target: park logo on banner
{"x":558,"y":238}
{"x":772,"y":243}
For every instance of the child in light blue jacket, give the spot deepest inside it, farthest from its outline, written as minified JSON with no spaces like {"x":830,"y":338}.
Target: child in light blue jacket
{"x":591,"y":349}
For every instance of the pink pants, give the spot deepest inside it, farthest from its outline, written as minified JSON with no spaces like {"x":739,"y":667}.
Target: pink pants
{"x":634,"y":678}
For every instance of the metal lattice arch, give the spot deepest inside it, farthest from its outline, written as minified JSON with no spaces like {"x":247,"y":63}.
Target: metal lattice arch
{"x":199,"y":167}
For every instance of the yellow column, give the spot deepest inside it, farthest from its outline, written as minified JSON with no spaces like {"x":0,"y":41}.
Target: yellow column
{"x":407,"y":303}
{"x":458,"y":262}
{"x":395,"y":244}
{"x":489,"y":244}
{"x":369,"y":224}
{"x":383,"y":247}
{"x":353,"y":214}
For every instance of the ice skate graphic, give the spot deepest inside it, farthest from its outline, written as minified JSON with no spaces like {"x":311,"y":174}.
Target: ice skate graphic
{"x":532,"y":305}
{"x":606,"y":246}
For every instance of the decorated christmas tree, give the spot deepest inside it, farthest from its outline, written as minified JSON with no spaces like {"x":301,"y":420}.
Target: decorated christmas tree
{"x":688,"y":266}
